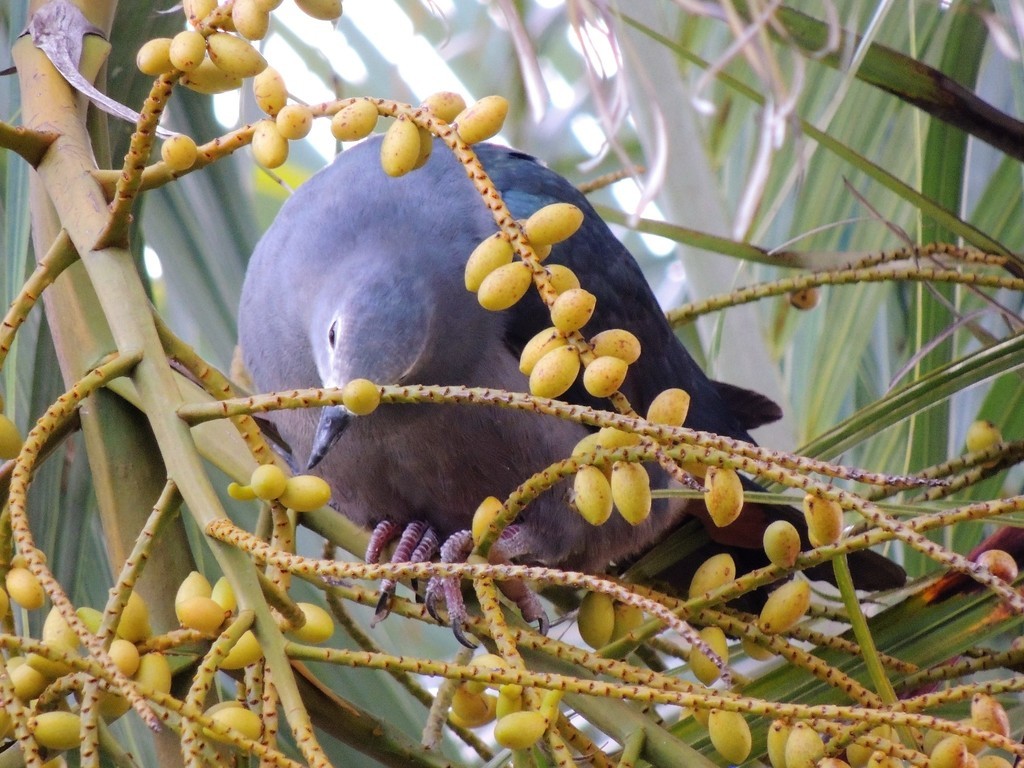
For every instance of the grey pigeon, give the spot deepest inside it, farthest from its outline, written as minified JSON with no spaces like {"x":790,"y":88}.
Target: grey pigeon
{"x":361,"y":276}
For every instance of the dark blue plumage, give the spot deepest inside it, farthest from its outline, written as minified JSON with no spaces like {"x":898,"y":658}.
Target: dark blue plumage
{"x":361,"y":275}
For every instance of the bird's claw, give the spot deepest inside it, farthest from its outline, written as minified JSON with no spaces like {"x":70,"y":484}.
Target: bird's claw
{"x":418,"y":543}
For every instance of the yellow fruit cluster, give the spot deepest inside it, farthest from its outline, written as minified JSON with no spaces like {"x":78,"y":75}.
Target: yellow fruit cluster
{"x":30,"y":675}
{"x":626,"y":486}
{"x":301,"y":493}
{"x":199,"y":607}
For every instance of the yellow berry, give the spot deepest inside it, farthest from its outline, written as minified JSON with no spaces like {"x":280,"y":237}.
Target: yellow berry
{"x":539,"y":346}
{"x":251,"y":21}
{"x":730,"y":735}
{"x":197,"y":10}
{"x":553,"y":223}
{"x":355,"y":121}
{"x":520,"y":730}
{"x":951,"y":752}
{"x":593,"y":495}
{"x":400,"y":148}
{"x":224,"y":595}
{"x":209,"y":78}
{"x":426,"y":147}
{"x":154,"y":673}
{"x":26,"y":681}
{"x":555,"y":372}
{"x":824,"y":520}
{"x":240,"y":492}
{"x":805,"y":298}
{"x":360,"y":396}
{"x":782,"y":543}
{"x":56,"y":730}
{"x":508,"y":701}
{"x":631,"y":491}
{"x":319,"y":625}
{"x":832,"y":762}
{"x":596,"y":619}
{"x":202,"y":614}
{"x":778,"y":735}
{"x":305,"y":493}
{"x":269,"y":147}
{"x":562,"y":278}
{"x":989,"y":715}
{"x":627,"y":618}
{"x":231,"y":714}
{"x":755,"y":651}
{"x":234,"y":55}
{"x":481,"y":120}
{"x":604,"y":376}
{"x":1001,"y":564}
{"x":496,"y":251}
{"x":703,"y":666}
{"x":90,"y":617}
{"x":982,"y":435}
{"x":245,"y":652}
{"x":154,"y":57}
{"x":187,"y":50}
{"x":125,"y":656}
{"x":473,"y":707}
{"x":572,"y":309}
{"x":270,"y":91}
{"x":268,"y":5}
{"x":723,"y":495}
{"x":25,"y":589}
{"x":484,"y":516}
{"x":859,"y":755}
{"x":294,"y":121}
{"x":612,"y":438}
{"x":617,"y":343}
{"x":804,"y":747}
{"x":325,"y":10}
{"x":193,"y":585}
{"x":785,"y":607}
{"x":504,"y":286}
{"x":179,"y":152}
{"x":10,"y":439}
{"x":445,"y":105}
{"x":669,"y":407}
{"x":268,"y":482}
{"x":134,"y":623}
{"x":714,"y":572}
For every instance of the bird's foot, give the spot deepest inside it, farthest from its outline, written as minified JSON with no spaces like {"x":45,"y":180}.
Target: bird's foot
{"x":418,"y":544}
{"x":457,"y":549}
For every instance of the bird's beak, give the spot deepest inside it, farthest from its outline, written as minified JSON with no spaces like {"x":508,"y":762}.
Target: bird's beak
{"x":333,"y":421}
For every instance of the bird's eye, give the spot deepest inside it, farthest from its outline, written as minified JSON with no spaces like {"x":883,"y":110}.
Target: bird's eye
{"x":332,"y":333}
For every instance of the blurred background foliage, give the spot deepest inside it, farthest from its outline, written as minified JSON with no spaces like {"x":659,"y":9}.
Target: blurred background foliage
{"x":748,"y":133}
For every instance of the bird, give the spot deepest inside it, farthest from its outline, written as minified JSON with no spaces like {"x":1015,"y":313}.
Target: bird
{"x":361,"y":276}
